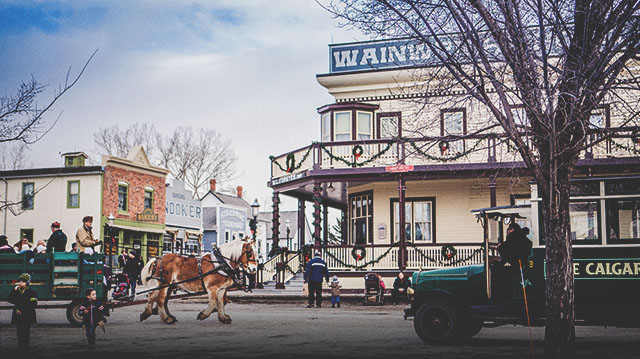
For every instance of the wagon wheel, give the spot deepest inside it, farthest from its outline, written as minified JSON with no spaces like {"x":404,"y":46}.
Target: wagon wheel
{"x":436,"y":322}
{"x":73,"y":313}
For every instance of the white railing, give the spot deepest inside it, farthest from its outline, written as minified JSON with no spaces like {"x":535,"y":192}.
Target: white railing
{"x":269,"y":270}
{"x":294,"y":265}
{"x":386,"y":257}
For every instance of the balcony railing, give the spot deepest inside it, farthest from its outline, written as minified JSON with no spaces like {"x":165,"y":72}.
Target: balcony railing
{"x":433,"y":151}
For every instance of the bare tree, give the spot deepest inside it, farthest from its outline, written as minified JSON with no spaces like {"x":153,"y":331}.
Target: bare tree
{"x":559,"y":60}
{"x":116,"y":142}
{"x":196,"y":156}
{"x":13,"y":155}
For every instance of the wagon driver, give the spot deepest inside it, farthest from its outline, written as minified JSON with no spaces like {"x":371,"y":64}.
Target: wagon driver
{"x":84,"y":236}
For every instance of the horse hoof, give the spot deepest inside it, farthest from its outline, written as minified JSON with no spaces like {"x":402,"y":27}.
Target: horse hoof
{"x":201,"y":316}
{"x":154,"y":311}
{"x":225,"y":320}
{"x":144,"y":316}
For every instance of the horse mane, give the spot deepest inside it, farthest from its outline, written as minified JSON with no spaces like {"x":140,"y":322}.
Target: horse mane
{"x":233,"y":249}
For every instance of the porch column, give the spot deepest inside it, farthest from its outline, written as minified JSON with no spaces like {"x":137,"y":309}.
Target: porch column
{"x":402,"y":260}
{"x":492,"y":191}
{"x":275,"y":229}
{"x":317,"y":204}
{"x":325,"y":224}
{"x":345,"y":227}
{"x":301,"y":224}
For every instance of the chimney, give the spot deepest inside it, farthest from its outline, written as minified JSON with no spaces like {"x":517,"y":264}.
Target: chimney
{"x":239,"y":191}
{"x":212,"y":185}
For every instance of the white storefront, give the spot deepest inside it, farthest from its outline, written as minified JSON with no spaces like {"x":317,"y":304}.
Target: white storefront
{"x":183,"y":220}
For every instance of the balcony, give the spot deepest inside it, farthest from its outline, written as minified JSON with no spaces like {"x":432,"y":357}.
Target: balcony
{"x":429,"y":151}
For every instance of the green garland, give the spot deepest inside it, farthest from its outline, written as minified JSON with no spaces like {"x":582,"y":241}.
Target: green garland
{"x":355,"y":163}
{"x":444,"y":159}
{"x":361,"y":266}
{"x":625,"y":147}
{"x":291,"y":159}
{"x":448,"y":263}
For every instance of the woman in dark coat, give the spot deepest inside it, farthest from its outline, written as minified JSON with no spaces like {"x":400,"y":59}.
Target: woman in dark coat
{"x":400,"y":285}
{"x":24,"y":300}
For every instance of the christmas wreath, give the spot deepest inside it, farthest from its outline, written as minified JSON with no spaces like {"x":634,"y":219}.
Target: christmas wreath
{"x":448,"y":251}
{"x":357,"y":151}
{"x":358,"y":252}
{"x":444,"y":146}
{"x":291,"y":162}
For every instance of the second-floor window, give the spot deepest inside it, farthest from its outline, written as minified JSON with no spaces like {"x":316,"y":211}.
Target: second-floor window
{"x":342,"y":126}
{"x":388,"y":126}
{"x":326,"y":127}
{"x":453,"y":123}
{"x":148,"y":198}
{"x":123,"y":197}
{"x":73,"y":194}
{"x":28,"y":193}
{"x":365,"y":125}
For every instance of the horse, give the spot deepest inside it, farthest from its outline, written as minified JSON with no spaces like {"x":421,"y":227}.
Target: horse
{"x":172,"y":268}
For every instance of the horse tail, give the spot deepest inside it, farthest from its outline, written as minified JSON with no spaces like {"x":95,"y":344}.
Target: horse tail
{"x":148,"y":270}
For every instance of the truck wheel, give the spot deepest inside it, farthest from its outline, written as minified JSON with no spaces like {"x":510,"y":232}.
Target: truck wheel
{"x":436,"y":322}
{"x":472,"y":328}
{"x":73,"y":314}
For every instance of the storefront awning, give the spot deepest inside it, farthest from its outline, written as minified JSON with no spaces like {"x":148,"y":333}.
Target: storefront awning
{"x":140,"y":229}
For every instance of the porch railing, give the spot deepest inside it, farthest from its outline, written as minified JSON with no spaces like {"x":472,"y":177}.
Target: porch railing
{"x":293,"y":267}
{"x":435,"y":150}
{"x":385,"y":257}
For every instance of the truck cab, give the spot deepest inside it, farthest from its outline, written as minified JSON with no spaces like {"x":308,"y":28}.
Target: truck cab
{"x":453,"y":304}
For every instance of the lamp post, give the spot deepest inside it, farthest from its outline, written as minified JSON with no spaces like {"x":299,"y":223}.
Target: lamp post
{"x":255,"y":209}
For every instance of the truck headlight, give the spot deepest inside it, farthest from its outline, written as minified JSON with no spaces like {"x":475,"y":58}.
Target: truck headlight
{"x":410,"y":293}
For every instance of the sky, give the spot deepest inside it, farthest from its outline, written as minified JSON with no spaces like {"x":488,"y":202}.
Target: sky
{"x":245,"y":68}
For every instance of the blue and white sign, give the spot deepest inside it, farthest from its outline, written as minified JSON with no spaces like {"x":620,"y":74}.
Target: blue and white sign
{"x":232,"y":223}
{"x":181,"y":209}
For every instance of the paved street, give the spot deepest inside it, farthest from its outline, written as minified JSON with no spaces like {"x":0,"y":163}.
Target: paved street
{"x":288,"y":330}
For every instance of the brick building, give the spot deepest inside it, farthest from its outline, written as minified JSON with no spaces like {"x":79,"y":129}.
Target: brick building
{"x":134,"y":193}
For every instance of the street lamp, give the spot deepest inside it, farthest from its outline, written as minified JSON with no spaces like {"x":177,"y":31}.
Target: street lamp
{"x":255,"y":209}
{"x":109,"y":242}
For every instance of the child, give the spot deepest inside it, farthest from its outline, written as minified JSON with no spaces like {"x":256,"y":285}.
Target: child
{"x":92,"y":311}
{"x":24,"y":300}
{"x":335,"y":291}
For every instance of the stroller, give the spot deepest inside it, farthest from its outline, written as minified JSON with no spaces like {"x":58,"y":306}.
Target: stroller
{"x":121,"y":290}
{"x":373,"y":290}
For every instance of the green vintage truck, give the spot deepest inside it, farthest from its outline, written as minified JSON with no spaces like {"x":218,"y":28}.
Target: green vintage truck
{"x":453,"y":304}
{"x":55,"y":277}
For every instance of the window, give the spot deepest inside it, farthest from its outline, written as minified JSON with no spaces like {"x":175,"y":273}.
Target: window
{"x":623,"y":186}
{"x":584,"y":221}
{"x":597,"y":119}
{"x":623,"y":220}
{"x":388,"y":125}
{"x":148,"y":198}
{"x":361,"y":218}
{"x":73,"y":194}
{"x":343,"y":126}
{"x":27,"y":233}
{"x":365,"y":126}
{"x":27,"y":195}
{"x":123,"y":197}
{"x":326,"y":127}
{"x":453,"y":123}
{"x":419,"y":218}
{"x":520,"y":117}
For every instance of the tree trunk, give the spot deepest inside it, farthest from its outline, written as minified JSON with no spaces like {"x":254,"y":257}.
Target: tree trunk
{"x":559,"y":338}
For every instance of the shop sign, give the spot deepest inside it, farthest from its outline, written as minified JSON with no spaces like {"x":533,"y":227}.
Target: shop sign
{"x":399,"y":168}
{"x":147,"y":216}
{"x":286,"y":179}
{"x":181,"y":209}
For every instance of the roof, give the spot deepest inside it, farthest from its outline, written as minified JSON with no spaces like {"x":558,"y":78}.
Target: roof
{"x":231,"y":200}
{"x":51,"y":171}
{"x":78,"y":153}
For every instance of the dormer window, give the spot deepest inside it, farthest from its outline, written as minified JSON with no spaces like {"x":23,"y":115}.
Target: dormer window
{"x":347,"y":122}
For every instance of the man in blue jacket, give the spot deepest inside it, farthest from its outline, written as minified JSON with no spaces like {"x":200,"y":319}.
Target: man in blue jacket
{"x":316,"y":269}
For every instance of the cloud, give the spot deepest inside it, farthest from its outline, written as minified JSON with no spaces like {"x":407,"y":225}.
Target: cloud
{"x":243,"y":68}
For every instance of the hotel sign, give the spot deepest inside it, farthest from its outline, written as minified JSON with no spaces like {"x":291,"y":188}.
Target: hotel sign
{"x":147,"y":216}
{"x":286,"y":179}
{"x":621,"y":268}
{"x":399,"y":168}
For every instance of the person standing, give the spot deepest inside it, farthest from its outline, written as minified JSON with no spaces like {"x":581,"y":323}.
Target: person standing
{"x":92,"y":311}
{"x":335,"y":291}
{"x":58,"y":240}
{"x":316,"y":269}
{"x":122,"y":258}
{"x":24,"y":300}
{"x":84,"y":235}
{"x":4,"y":245}
{"x":132,"y":269}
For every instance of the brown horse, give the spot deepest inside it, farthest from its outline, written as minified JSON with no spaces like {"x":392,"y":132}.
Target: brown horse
{"x":173,"y":268}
